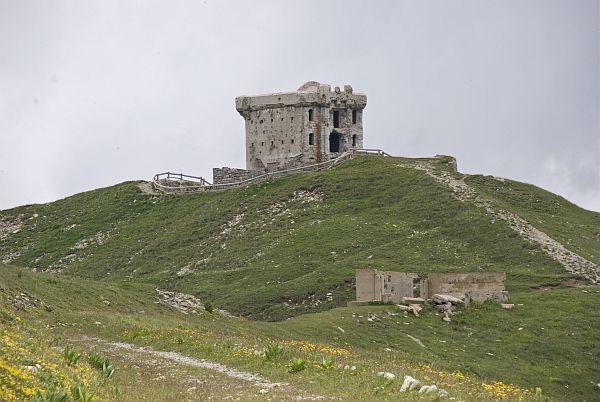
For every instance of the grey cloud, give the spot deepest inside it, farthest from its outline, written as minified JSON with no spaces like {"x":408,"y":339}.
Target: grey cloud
{"x":97,"y":92}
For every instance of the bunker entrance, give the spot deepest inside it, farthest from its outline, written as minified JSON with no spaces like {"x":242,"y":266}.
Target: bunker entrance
{"x":334,"y":142}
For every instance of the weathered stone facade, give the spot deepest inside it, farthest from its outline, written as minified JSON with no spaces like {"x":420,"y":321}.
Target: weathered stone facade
{"x":308,"y":126}
{"x":386,"y":286}
{"x":227,"y":175}
{"x":477,"y":286}
{"x":391,"y":286}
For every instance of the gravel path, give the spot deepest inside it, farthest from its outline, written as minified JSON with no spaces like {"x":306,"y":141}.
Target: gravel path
{"x":190,"y":361}
{"x":573,"y":262}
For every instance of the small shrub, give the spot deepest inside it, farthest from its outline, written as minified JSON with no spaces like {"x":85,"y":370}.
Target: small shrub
{"x":326,"y":363}
{"x":380,"y":303}
{"x":71,"y":355}
{"x":56,"y":341}
{"x":208,"y":307}
{"x":81,"y":393}
{"x":296,"y":365}
{"x":116,"y":391}
{"x":51,"y":395}
{"x":273,"y":351}
{"x":539,"y":396}
{"x":102,"y":364}
{"x":107,"y":371}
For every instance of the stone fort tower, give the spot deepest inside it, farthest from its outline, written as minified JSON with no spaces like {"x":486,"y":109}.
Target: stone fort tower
{"x":308,"y":126}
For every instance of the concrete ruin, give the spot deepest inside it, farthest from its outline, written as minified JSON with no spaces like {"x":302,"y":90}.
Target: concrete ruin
{"x":291,"y":129}
{"x":384,"y":286}
{"x":477,"y":286}
{"x":373,"y":285}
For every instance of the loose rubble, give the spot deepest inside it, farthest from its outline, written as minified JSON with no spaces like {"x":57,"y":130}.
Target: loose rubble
{"x":386,"y":375}
{"x":409,"y":384}
{"x":10,"y":226}
{"x":411,"y":305}
{"x":98,"y":239}
{"x":23,"y":301}
{"x":448,"y":305}
{"x":187,"y":304}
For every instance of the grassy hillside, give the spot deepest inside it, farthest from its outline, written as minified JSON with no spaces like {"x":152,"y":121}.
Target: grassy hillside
{"x":282,"y":249}
{"x":486,"y":353}
{"x":575,"y":227}
{"x":274,"y":250}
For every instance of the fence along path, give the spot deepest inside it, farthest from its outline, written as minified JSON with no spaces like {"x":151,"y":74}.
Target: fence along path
{"x":169,"y":182}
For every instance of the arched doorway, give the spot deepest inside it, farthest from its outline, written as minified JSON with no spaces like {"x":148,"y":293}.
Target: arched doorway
{"x":334,"y":142}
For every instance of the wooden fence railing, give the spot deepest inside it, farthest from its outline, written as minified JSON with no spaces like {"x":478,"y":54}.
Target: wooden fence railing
{"x":169,"y":182}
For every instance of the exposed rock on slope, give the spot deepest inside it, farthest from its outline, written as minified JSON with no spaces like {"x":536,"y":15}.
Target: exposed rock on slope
{"x":573,"y":263}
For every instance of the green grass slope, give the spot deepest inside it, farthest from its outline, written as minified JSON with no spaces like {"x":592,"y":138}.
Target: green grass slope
{"x":275,"y":250}
{"x":550,"y":340}
{"x":575,"y":227}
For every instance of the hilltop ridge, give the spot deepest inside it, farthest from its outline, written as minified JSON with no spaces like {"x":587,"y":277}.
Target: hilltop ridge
{"x":291,"y":246}
{"x":128,"y":273}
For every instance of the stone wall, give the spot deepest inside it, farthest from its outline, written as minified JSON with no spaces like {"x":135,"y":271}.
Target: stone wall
{"x":375,"y":285}
{"x":365,"y":285}
{"x":227,"y":175}
{"x":479,"y":286}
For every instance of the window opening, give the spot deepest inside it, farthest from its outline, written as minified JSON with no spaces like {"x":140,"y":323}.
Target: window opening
{"x":336,"y":119}
{"x":334,"y":142}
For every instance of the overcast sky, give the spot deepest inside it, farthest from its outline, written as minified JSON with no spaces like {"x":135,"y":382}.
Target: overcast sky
{"x":93,"y":93}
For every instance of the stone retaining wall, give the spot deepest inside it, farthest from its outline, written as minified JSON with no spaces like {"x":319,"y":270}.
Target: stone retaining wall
{"x":227,"y":175}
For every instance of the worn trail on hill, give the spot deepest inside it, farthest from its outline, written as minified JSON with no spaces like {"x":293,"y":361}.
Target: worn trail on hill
{"x":188,"y":361}
{"x":573,"y":262}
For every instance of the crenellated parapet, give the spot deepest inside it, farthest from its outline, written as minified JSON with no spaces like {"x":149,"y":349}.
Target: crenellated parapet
{"x":307,"y":126}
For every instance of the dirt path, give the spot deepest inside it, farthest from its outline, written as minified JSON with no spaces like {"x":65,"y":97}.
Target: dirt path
{"x":180,"y":359}
{"x":573,"y":263}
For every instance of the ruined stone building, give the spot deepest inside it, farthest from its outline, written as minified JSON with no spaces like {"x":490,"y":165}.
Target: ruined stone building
{"x":306,"y":126}
{"x":392,"y":286}
{"x":291,"y":129}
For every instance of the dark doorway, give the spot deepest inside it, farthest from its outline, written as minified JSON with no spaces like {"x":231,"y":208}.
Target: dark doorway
{"x":336,"y":119}
{"x":334,"y":142}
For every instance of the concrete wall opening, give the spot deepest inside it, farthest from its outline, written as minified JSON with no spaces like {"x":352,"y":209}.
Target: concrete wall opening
{"x":354,"y":117}
{"x":310,"y":115}
{"x":336,"y":119}
{"x":334,"y":142}
{"x":311,"y":139}
{"x":354,"y":140}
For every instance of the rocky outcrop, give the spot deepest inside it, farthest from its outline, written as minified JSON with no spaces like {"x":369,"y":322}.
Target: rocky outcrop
{"x":9,"y":226}
{"x":187,"y":304}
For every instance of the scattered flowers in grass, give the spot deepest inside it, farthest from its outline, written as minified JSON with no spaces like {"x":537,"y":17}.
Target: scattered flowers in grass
{"x":306,"y":346}
{"x":31,"y":370}
{"x":501,"y":390}
{"x":494,"y":389}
